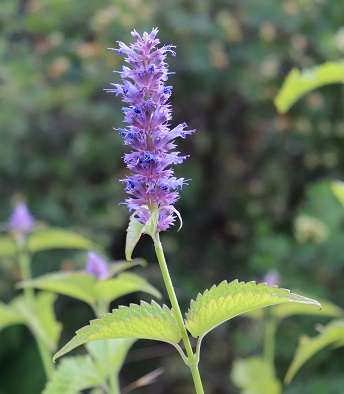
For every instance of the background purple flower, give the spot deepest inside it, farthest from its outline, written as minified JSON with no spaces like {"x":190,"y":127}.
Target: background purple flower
{"x":21,"y":219}
{"x":96,"y":266}
{"x":271,"y":278}
{"x":151,"y":184}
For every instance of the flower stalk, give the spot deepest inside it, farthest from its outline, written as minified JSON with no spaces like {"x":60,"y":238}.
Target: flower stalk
{"x":153,"y":189}
{"x":151,"y":183}
{"x":269,"y":337}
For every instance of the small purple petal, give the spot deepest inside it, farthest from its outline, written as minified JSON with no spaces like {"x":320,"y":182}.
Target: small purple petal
{"x":21,"y":219}
{"x":96,"y":266}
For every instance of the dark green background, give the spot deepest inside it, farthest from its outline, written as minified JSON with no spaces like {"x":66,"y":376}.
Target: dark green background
{"x":253,"y":171}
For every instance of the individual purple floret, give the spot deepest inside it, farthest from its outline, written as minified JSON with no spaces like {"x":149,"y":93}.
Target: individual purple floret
{"x":21,"y":219}
{"x":96,"y":266}
{"x":271,"y":278}
{"x":151,"y":184}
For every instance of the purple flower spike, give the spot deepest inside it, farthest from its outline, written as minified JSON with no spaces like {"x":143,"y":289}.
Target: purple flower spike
{"x":21,"y":220}
{"x":96,"y":266}
{"x":151,"y":184}
{"x":271,"y":278}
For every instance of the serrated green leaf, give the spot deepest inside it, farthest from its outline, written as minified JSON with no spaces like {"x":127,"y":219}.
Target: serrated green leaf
{"x":283,"y":311}
{"x":79,"y":285}
{"x":40,"y":318}
{"x":227,"y":300}
{"x":87,"y":288}
{"x":338,"y":190}
{"x":75,"y":374}
{"x":134,"y":232}
{"x":298,"y":83}
{"x":56,"y":238}
{"x":123,"y":284}
{"x":255,"y":376}
{"x":9,"y":316}
{"x":144,"y":321}
{"x":7,"y":246}
{"x":330,"y":334}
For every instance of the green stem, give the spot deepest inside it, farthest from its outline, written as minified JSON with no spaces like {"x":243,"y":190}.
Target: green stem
{"x":269,"y":337}
{"x":196,"y":378}
{"x":25,"y":272}
{"x":29,"y":295}
{"x":192,"y":360}
{"x":46,"y":358}
{"x":114,"y":385}
{"x":101,"y":308}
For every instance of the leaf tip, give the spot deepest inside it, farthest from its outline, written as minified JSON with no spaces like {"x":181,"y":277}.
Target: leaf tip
{"x":55,"y":357}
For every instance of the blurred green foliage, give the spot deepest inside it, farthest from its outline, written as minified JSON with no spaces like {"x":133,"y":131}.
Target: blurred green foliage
{"x":259,"y":179}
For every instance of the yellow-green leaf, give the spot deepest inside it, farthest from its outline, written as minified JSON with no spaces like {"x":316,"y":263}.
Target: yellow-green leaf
{"x":87,"y":288}
{"x":7,"y":246}
{"x":255,"y":376}
{"x":330,"y":334}
{"x":110,"y":354}
{"x":227,"y":300}
{"x":134,"y":232}
{"x":56,"y":238}
{"x":152,"y":223}
{"x":40,"y":318}
{"x":79,"y":285}
{"x":298,"y":83}
{"x":123,"y":284}
{"x":122,"y":265}
{"x":9,"y":316}
{"x":283,"y":311}
{"x":338,"y":190}
{"x":73,"y":375}
{"x":144,"y":321}
{"x":136,"y":229}
{"x":78,"y":373}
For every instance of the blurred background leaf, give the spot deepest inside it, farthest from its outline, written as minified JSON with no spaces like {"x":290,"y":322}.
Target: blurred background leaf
{"x":255,"y":376}
{"x":330,"y":334}
{"x":298,"y":83}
